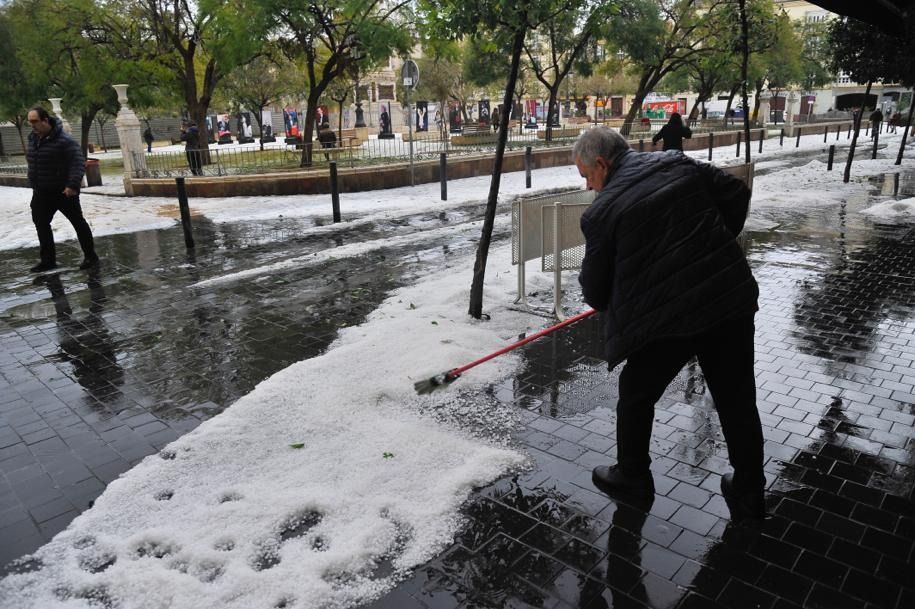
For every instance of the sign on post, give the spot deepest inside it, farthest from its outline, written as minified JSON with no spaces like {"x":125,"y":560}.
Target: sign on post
{"x":410,"y":74}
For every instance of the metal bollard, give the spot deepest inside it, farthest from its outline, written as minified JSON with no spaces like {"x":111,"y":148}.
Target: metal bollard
{"x":876,"y":139}
{"x":762,"y":136}
{"x":838,"y":131}
{"x":781,"y":138}
{"x":185,"y":213}
{"x":711,"y":144}
{"x":334,"y":191}
{"x":797,"y":144}
{"x":528,"y":161}
{"x":443,"y":174}
{"x":848,"y":137}
{"x":739,"y":137}
{"x":832,"y":154}
{"x":641,"y":145}
{"x":825,"y":133}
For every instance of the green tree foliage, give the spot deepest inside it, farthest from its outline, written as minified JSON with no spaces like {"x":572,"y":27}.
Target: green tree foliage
{"x":257,"y":84}
{"x":561,"y":44}
{"x":330,"y":36}
{"x":68,"y":56}
{"x":867,"y":55}
{"x":660,"y":37}
{"x":508,"y":22}
{"x":18,"y":90}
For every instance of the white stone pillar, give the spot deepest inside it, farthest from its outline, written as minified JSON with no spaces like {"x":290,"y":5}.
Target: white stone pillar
{"x":789,"y":112}
{"x":133,"y":150}
{"x":763,"y":115}
{"x":55,"y":107}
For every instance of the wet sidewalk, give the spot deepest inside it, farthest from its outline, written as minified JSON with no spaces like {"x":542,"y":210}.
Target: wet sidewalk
{"x":99,"y":370}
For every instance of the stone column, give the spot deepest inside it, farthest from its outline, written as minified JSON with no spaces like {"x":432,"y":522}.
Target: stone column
{"x":763,"y":116}
{"x":133,"y":150}
{"x":55,"y":107}
{"x":789,"y":112}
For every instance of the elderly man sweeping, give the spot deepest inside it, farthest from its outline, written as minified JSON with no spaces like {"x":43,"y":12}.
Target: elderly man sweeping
{"x":663,"y":266}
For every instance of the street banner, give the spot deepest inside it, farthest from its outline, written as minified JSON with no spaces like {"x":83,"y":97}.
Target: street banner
{"x":484,"y":118}
{"x":422,"y":116}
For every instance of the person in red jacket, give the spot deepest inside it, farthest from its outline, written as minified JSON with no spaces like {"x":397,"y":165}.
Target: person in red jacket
{"x":663,"y":264}
{"x":56,"y":169}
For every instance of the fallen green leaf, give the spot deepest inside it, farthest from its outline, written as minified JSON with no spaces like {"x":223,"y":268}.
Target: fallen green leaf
{"x":297,"y":445}
{"x":434,"y":323}
{"x":388,"y":455}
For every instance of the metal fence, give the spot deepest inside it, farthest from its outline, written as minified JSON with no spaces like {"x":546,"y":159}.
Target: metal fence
{"x":351,"y":152}
{"x":14,"y":169}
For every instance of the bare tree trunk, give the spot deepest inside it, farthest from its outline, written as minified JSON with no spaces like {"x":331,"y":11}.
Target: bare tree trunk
{"x":636,"y":107}
{"x":549,"y":114}
{"x":905,"y":131}
{"x":854,"y":139}
{"x":744,"y":63}
{"x":479,"y":266}
{"x":18,"y":122}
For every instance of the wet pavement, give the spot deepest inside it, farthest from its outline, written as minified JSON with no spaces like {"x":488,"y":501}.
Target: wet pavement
{"x":98,"y":371}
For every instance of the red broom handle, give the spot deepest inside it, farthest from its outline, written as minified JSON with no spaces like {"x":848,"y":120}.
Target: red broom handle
{"x":523,"y":341}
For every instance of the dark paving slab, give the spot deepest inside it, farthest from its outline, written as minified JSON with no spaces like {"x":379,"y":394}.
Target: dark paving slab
{"x":99,"y":370}
{"x":107,"y":373}
{"x":835,"y":374}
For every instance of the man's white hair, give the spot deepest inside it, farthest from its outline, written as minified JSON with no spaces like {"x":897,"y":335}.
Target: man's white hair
{"x":599,"y":142}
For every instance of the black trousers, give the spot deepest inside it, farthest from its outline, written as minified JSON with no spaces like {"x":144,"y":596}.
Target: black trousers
{"x":726,"y":356}
{"x":44,"y":206}
{"x":194,"y":162}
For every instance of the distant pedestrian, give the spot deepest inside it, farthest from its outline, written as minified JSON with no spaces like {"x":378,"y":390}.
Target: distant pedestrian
{"x":190,"y":135}
{"x":673,"y":133}
{"x":876,"y":118}
{"x":148,"y":138}
{"x":895,"y":121}
{"x":662,"y":261}
{"x":327,"y":138}
{"x":56,"y":170}
{"x":496,"y":118}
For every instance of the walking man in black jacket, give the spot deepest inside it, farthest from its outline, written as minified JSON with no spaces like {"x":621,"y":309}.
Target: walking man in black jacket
{"x":56,"y":168}
{"x":662,"y":263}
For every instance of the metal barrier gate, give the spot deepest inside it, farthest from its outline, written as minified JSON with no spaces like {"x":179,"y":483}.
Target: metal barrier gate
{"x":549,"y":227}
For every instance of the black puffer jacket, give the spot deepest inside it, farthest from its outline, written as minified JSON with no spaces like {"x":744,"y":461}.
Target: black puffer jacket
{"x":55,"y":161}
{"x":661,"y":259}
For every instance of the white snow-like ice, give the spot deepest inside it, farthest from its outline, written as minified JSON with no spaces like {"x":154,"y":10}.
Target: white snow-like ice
{"x":236,"y":514}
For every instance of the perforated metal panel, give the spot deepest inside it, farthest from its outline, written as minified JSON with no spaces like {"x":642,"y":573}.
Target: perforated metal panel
{"x":527,"y":221}
{"x":563,"y":221}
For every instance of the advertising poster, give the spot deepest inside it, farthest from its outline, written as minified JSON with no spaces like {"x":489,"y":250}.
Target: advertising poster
{"x":243,"y":121}
{"x":531,"y":110}
{"x":422,"y":116}
{"x":211,"y":128}
{"x":484,"y":117}
{"x":291,"y":121}
{"x":267,"y":123}
{"x":454,"y":117}
{"x":222,"y":126}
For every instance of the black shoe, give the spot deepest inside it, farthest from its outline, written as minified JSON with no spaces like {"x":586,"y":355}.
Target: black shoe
{"x":88,"y":263}
{"x":41,"y":267}
{"x":611,"y":480}
{"x":743,"y":507}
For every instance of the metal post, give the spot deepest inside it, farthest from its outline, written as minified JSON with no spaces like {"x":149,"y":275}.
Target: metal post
{"x":832,"y":153}
{"x":838,"y":130}
{"x":185,"y":213}
{"x":781,"y":138}
{"x":876,"y":139}
{"x":825,"y":133}
{"x":762,"y":136}
{"x":410,"y":130}
{"x":334,"y":191}
{"x":848,"y":136}
{"x":711,"y":143}
{"x":797,"y":143}
{"x":739,"y":139}
{"x":443,"y":174}
{"x":528,"y":161}
{"x":641,"y":145}
{"x":557,"y":262}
